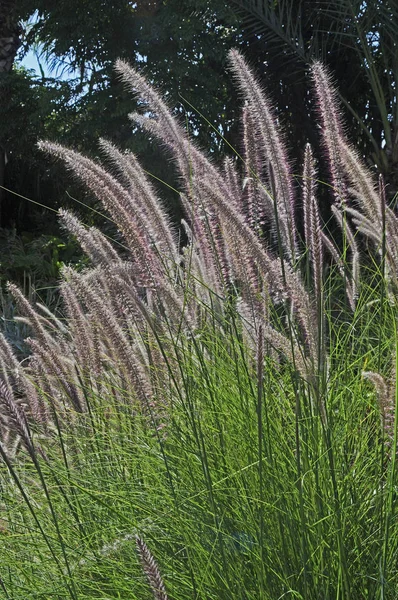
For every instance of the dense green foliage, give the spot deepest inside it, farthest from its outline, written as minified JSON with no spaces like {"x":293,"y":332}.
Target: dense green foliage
{"x":241,"y":420}
{"x":229,"y":510}
{"x":230,"y":402}
{"x":184,"y":48}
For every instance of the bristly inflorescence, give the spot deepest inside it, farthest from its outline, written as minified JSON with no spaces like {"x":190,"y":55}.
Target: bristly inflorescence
{"x":125,"y":315}
{"x":151,"y":570}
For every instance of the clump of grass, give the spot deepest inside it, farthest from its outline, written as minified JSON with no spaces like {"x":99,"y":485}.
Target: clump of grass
{"x":231,"y":402}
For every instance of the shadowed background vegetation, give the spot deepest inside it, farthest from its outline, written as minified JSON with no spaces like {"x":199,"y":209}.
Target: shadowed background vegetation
{"x":78,"y":98}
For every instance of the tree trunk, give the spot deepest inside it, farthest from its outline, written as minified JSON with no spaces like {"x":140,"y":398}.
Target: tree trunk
{"x":9,"y":43}
{"x":2,"y":173}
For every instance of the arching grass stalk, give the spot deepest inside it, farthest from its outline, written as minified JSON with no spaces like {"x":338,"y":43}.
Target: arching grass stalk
{"x":69,"y":581}
{"x":391,"y":483}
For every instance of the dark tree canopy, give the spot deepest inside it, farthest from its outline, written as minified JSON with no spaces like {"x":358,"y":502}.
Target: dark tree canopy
{"x":182,"y":48}
{"x":358,"y":41}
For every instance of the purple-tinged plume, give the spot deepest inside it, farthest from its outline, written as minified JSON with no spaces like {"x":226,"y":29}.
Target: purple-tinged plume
{"x":151,"y":570}
{"x":332,"y":130}
{"x":312,"y":221}
{"x":271,"y":148}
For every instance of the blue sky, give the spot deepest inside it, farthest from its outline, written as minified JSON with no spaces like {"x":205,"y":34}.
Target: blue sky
{"x":30,"y":62}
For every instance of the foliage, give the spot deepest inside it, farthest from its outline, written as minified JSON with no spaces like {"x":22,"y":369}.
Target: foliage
{"x":227,"y":407}
{"x":37,"y":258}
{"x":84,"y":100}
{"x":184,"y":51}
{"x":358,"y":41}
{"x":183,"y":48}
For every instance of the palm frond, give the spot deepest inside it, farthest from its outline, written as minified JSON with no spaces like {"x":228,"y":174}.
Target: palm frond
{"x":294,"y":33}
